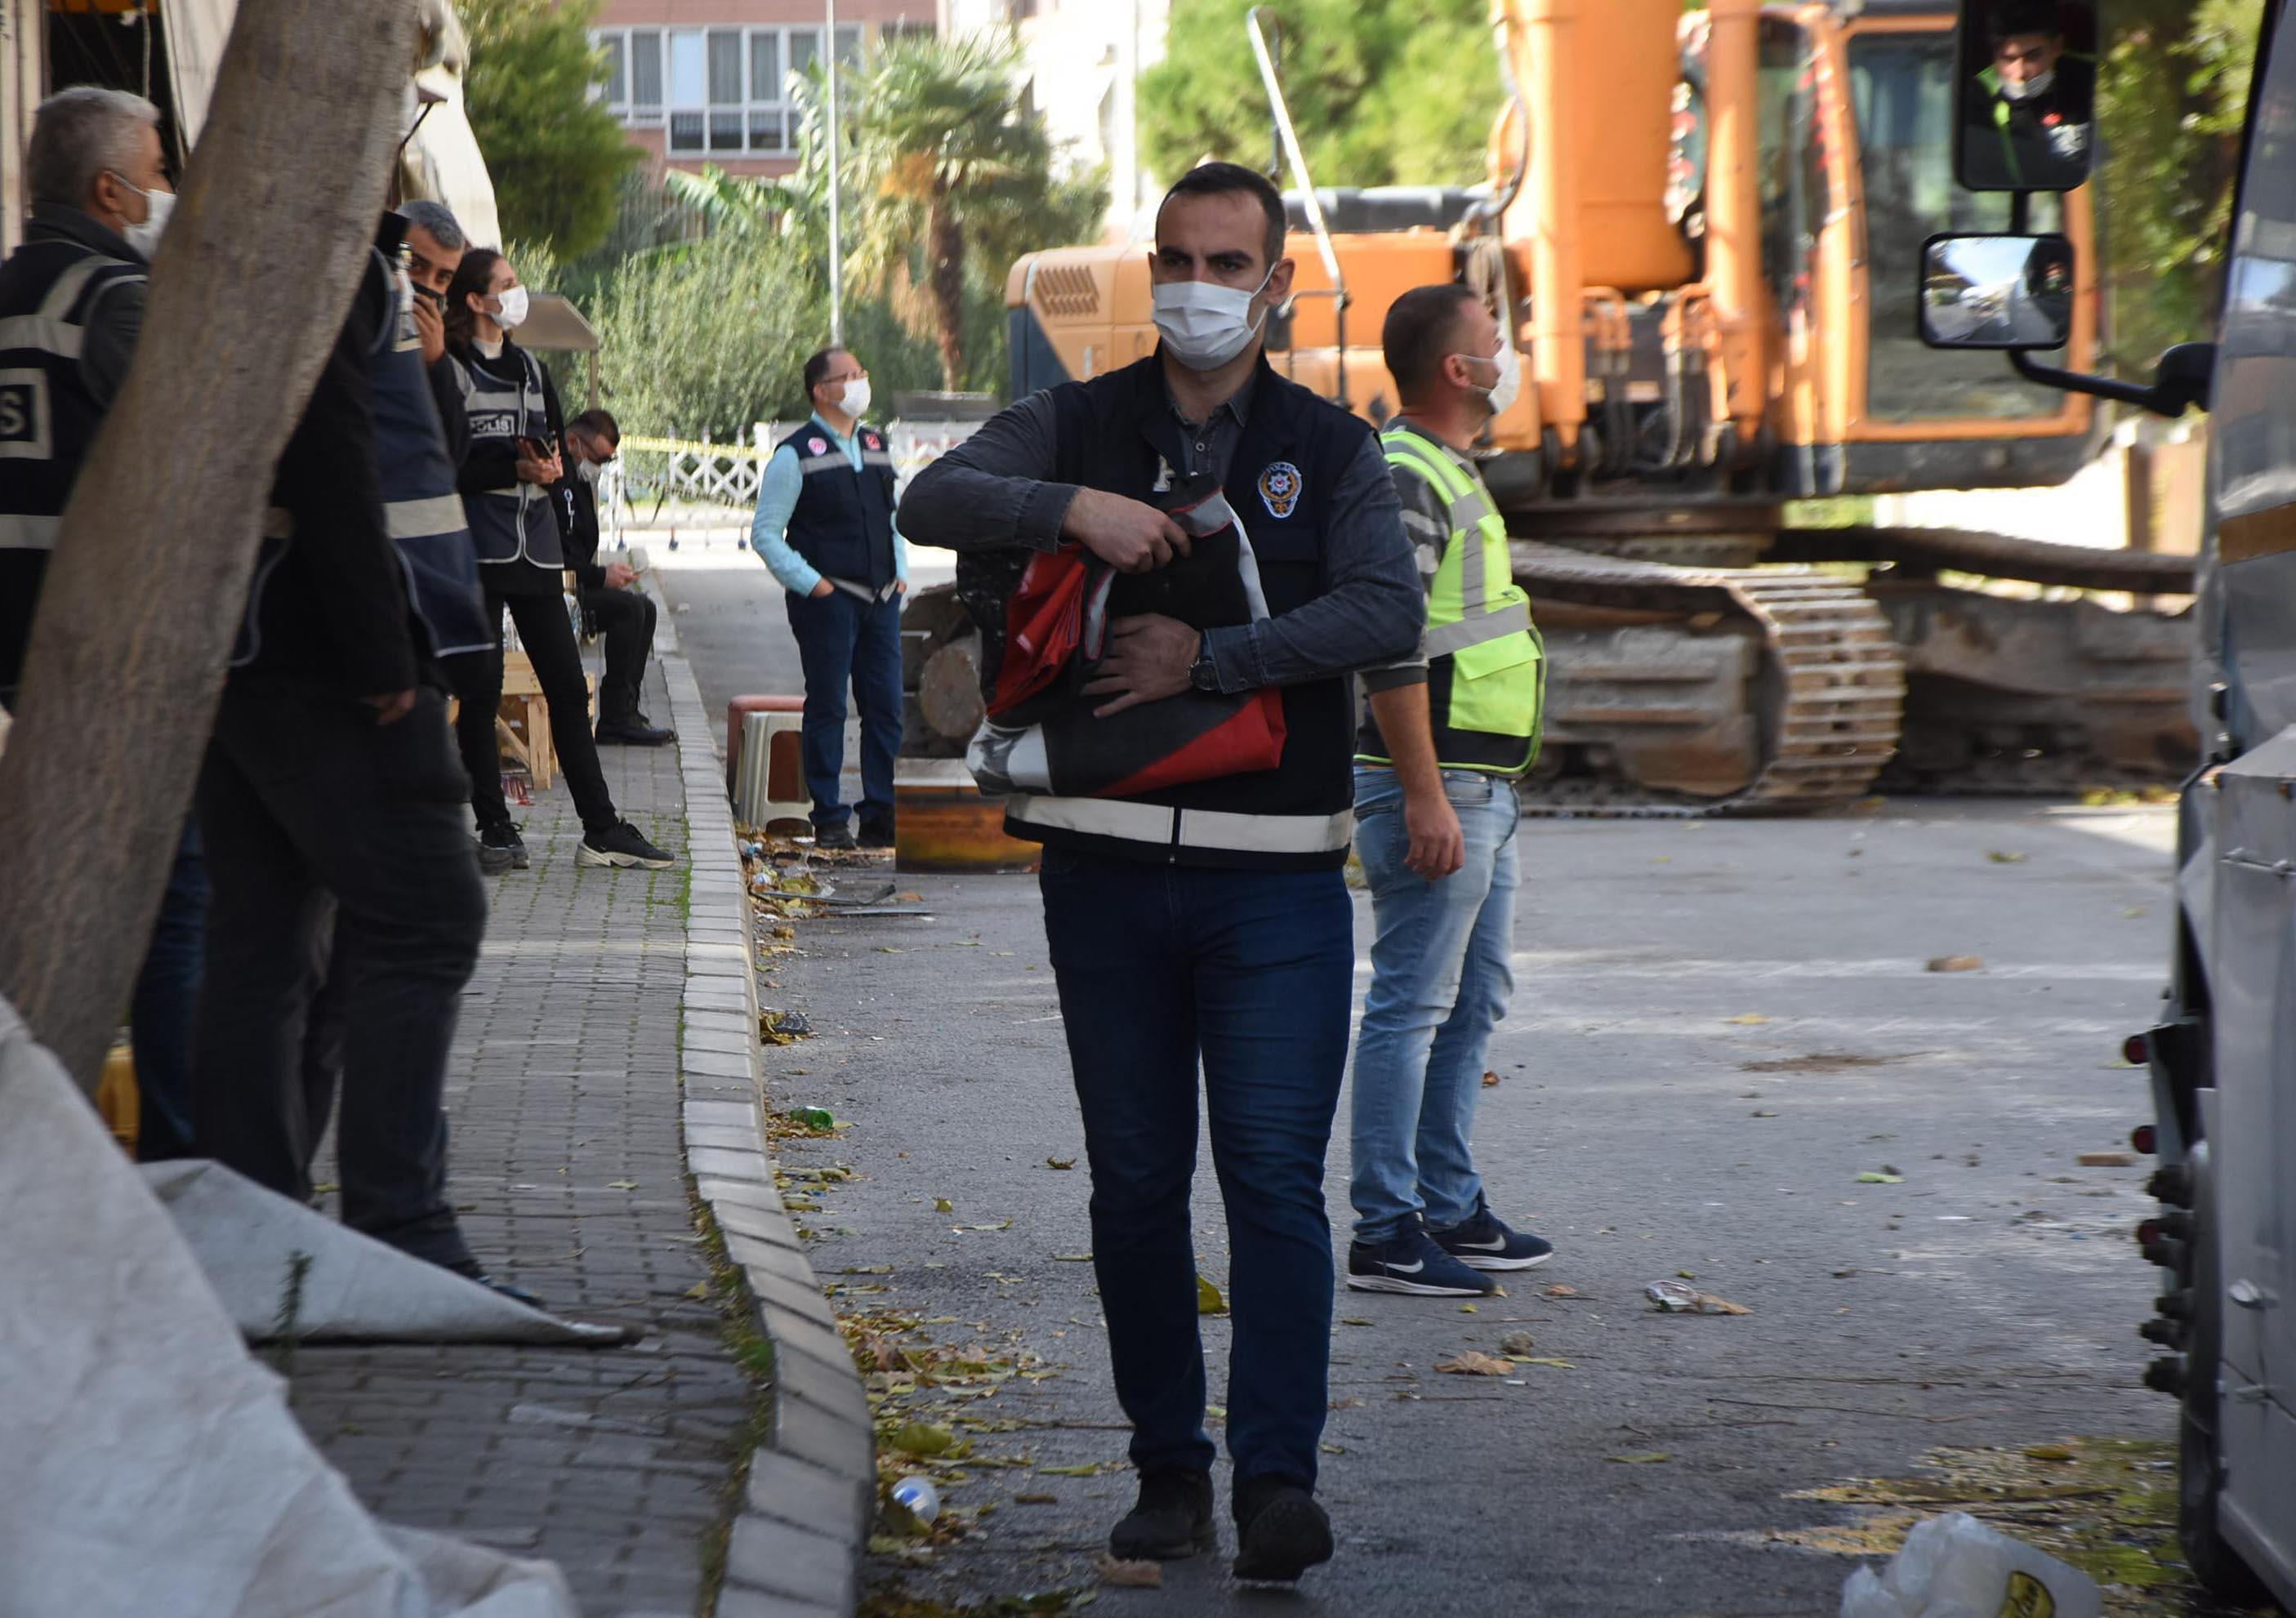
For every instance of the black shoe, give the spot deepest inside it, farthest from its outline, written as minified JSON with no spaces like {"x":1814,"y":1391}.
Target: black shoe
{"x":1173,"y":1519}
{"x":1482,"y":1241}
{"x":876,"y":837}
{"x":836,"y":839}
{"x":470,"y":1270}
{"x":622,"y":845}
{"x":1280,"y":1531}
{"x":1413,"y":1263}
{"x":501,"y":850}
{"x":633,"y":733}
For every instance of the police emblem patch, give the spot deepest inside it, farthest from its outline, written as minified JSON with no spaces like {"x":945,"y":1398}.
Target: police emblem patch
{"x":1279,"y":488}
{"x":818,"y":446}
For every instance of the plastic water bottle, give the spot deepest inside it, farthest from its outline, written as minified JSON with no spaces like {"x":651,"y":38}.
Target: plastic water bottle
{"x":917,"y":1496}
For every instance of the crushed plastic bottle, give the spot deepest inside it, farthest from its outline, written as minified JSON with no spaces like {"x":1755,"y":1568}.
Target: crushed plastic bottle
{"x":1954,"y":1564}
{"x":814,"y":1118}
{"x":916,"y":1495}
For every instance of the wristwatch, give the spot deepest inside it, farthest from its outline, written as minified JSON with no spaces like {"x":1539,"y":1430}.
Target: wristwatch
{"x":1203,"y":674}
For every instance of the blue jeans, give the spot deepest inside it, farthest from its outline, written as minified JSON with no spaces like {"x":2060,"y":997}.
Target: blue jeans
{"x":842,"y":640}
{"x":1440,"y":983}
{"x":1252,"y":971}
{"x":159,"y":1017}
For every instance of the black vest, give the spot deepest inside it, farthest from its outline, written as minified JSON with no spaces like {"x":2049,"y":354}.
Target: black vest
{"x":420,"y":505}
{"x":48,"y":418}
{"x":513,"y":524}
{"x":843,"y":521}
{"x":1117,"y":432}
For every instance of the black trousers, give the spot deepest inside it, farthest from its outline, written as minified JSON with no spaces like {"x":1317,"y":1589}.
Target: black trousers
{"x":314,"y":818}
{"x":548,"y":636}
{"x":624,"y":618}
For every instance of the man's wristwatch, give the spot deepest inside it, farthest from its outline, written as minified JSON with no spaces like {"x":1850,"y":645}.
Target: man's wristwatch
{"x":1203,"y":674}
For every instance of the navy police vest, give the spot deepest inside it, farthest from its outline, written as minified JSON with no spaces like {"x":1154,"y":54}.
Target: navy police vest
{"x":513,"y":524}
{"x":48,"y":419}
{"x":843,"y":521}
{"x":1117,"y":432}
{"x":420,"y":505}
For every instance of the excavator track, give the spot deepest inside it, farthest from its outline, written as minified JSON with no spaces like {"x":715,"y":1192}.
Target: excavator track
{"x":1828,"y":698}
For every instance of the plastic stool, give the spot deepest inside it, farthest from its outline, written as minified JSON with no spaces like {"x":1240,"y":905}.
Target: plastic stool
{"x":765,"y":763}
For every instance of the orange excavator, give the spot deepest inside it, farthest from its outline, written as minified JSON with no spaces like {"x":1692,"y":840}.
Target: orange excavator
{"x":1697,"y":229}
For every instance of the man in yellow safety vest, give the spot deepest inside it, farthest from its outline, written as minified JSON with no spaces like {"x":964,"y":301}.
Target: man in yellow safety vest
{"x":1449,"y":730}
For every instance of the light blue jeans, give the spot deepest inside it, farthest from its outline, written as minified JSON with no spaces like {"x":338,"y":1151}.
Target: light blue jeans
{"x":1440,"y":983}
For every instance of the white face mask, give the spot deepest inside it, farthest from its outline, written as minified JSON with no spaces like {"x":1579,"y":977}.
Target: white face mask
{"x":588,"y":472}
{"x":2038,"y":85}
{"x":1501,"y":392}
{"x":143,"y":235}
{"x":513,"y":313}
{"x":853,"y":397}
{"x":1206,"y":324}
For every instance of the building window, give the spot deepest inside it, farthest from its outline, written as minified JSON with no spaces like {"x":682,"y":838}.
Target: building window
{"x":616,"y":91}
{"x":723,"y":90}
{"x":646,"y":76}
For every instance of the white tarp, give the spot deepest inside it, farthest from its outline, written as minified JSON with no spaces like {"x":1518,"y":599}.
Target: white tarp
{"x":151,"y":1465}
{"x":442,"y":161}
{"x":249,"y":1241}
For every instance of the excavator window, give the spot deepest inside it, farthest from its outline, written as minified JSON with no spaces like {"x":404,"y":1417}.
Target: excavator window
{"x":1902,"y":90}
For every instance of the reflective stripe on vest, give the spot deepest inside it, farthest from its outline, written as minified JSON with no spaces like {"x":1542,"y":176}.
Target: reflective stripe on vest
{"x":423,"y":515}
{"x":1471,"y":603}
{"x":513,"y":524}
{"x":1187,"y":828}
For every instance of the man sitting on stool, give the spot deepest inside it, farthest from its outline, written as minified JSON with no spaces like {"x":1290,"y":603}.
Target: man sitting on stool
{"x":825,"y":527}
{"x":612,"y":600}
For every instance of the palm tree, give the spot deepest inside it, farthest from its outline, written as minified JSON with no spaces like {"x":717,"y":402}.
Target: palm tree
{"x":939,"y":134}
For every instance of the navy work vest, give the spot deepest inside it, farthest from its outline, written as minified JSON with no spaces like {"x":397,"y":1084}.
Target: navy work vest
{"x":842,"y":524}
{"x":48,"y":419}
{"x":513,"y":524}
{"x":420,"y":505}
{"x":1117,"y":432}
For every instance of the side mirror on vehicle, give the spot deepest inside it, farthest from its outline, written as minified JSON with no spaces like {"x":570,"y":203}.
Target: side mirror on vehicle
{"x":2027,"y":93}
{"x":1997,"y":292}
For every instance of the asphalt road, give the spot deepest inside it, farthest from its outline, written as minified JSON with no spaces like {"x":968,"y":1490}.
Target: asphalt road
{"x":1718,"y":1027}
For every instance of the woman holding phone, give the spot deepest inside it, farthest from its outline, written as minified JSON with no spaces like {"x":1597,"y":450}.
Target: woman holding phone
{"x":505,"y":480}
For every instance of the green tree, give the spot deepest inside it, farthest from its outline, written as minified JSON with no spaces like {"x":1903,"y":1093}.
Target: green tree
{"x":557,"y":157}
{"x":947,"y":162}
{"x":2172,"y":92}
{"x":1382,"y":92}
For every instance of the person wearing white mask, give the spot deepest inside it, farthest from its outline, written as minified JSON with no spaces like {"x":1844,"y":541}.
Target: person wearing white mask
{"x":2029,"y":114}
{"x":73,"y":296}
{"x":1203,"y":925}
{"x":825,"y":527}
{"x":1448,"y":732}
{"x":509,"y":466}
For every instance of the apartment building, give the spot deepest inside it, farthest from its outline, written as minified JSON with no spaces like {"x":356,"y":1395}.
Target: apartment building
{"x":1083,"y":59}
{"x":706,"y":81}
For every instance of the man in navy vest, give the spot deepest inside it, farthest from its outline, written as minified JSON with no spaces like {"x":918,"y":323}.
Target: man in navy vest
{"x":1207,"y":922}
{"x":825,"y":527}
{"x":72,"y":307}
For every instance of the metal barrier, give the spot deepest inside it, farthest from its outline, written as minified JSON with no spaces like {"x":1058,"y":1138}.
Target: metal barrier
{"x":652,"y":474}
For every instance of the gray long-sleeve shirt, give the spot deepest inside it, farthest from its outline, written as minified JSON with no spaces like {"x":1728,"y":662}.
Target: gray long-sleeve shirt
{"x":995,"y":492}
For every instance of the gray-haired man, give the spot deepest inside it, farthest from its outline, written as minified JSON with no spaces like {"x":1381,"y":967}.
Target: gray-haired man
{"x":72,"y":307}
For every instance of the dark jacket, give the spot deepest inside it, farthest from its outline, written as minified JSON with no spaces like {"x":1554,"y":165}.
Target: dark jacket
{"x":577,"y":504}
{"x":330,"y":602}
{"x":105,"y":318}
{"x":2043,"y":143}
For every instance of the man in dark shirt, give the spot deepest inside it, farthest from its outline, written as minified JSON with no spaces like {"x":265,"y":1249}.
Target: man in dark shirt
{"x":2028,"y":116}
{"x":75,"y":293}
{"x":1205,"y":923}
{"x":622,"y":614}
{"x":333,"y":770}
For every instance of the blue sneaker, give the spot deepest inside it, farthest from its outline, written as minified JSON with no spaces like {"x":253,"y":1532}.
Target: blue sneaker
{"x":1480,"y":1240}
{"x":1412,"y":1263}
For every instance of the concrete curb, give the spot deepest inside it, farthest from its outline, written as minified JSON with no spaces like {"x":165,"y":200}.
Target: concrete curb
{"x":798,"y":1539}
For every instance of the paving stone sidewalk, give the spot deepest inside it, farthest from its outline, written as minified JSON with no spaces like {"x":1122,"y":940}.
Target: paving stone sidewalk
{"x":567,"y":1163}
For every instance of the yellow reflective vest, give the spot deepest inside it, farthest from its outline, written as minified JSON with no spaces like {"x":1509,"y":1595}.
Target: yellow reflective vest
{"x":1486,"y":664}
